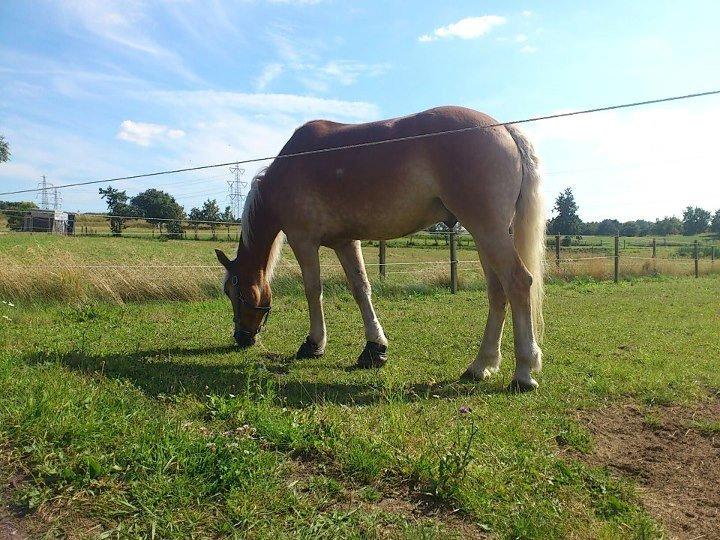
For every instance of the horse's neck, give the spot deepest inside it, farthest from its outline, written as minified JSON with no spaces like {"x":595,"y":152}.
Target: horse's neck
{"x":262,"y":246}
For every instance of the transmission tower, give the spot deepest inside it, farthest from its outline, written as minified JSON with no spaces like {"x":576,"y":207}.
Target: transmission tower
{"x":44,"y":193}
{"x":236,"y":187}
{"x":57,"y":199}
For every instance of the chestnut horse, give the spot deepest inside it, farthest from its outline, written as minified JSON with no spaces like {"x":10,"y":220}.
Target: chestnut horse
{"x":470,"y":169}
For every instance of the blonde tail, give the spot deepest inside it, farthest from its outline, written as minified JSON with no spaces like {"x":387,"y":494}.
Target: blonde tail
{"x":529,"y":227}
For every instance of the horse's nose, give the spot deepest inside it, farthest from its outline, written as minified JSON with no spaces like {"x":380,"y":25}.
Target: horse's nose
{"x":244,"y":339}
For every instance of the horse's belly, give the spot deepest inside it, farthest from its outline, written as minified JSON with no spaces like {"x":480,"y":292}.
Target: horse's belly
{"x":387,"y":220}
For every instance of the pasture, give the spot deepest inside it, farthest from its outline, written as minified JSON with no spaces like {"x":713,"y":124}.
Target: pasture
{"x":128,"y":412}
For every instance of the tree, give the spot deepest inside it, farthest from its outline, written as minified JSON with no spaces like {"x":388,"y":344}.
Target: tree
{"x":589,"y":228}
{"x":629,"y":228}
{"x":695,"y":220}
{"x":715,"y":225}
{"x":4,"y":150}
{"x":227,"y":215}
{"x":608,"y":227}
{"x":15,"y":214}
{"x":567,"y":221}
{"x":209,"y":212}
{"x":160,"y":207}
{"x":118,"y":208}
{"x":667,"y":226}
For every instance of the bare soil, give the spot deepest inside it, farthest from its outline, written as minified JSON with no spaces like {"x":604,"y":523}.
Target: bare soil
{"x":12,"y":525}
{"x":673,"y":456}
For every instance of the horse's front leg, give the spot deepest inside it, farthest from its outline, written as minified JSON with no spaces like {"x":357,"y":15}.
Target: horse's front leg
{"x":351,"y":258}
{"x":307,"y":256}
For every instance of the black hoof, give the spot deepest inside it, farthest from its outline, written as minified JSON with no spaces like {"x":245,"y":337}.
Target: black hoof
{"x":374,"y":355}
{"x":309,"y":349}
{"x":518,"y":387}
{"x":469,"y":376}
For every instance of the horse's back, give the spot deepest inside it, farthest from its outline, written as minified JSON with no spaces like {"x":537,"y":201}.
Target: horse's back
{"x":321,"y":134}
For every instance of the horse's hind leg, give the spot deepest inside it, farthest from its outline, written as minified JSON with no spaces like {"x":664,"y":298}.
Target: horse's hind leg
{"x":488,"y":359}
{"x":498,"y":247}
{"x":351,"y":258}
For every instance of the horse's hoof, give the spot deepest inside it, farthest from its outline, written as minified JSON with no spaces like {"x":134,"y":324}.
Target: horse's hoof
{"x":484,"y":375}
{"x":470,"y":376}
{"x":374,"y":355}
{"x":517,"y":386}
{"x":309,"y":349}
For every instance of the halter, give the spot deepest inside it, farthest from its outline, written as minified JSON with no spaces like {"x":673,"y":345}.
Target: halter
{"x":264,"y":309}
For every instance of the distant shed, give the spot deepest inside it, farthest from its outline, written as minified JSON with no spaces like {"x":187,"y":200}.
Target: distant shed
{"x":50,"y":221}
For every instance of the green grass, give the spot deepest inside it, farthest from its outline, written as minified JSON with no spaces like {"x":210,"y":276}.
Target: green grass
{"x":144,"y":420}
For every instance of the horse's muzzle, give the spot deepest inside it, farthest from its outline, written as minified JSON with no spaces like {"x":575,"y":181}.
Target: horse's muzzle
{"x":244,"y":339}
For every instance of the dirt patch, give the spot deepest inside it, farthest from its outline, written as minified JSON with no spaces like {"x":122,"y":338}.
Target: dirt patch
{"x":384,"y":497}
{"x":49,"y":520}
{"x":673,"y":454}
{"x":12,"y":524}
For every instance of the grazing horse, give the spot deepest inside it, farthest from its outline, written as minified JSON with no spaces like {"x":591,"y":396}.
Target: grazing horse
{"x":384,"y":180}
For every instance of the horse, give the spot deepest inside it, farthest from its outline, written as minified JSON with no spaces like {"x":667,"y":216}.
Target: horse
{"x":336,"y":184}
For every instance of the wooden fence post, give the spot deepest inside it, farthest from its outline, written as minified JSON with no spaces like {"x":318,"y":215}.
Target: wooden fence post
{"x":381,"y":258}
{"x":557,"y":250}
{"x":712,"y":254}
{"x":196,"y":230}
{"x":617,"y":259}
{"x":228,"y":231}
{"x":695,"y":254}
{"x":453,"y":262}
{"x":654,"y":246}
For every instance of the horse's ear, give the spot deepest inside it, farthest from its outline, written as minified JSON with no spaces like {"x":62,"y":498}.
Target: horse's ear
{"x":222,"y":258}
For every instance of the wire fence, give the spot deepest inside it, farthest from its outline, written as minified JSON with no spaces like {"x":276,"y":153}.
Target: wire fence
{"x":427,"y":259}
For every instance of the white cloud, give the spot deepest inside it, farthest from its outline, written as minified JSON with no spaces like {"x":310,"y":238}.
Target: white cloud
{"x":527,"y":13}
{"x":269,"y":73}
{"x":302,"y":58}
{"x":640,"y":163}
{"x":345,"y":72}
{"x":521,"y":38}
{"x":145,"y":134}
{"x":528,"y":49}
{"x":295,"y":2}
{"x":467,"y":28}
{"x":209,"y":101}
{"x":123,"y":23}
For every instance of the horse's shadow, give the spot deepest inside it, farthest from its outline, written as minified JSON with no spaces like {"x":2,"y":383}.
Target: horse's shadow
{"x":157,"y":373}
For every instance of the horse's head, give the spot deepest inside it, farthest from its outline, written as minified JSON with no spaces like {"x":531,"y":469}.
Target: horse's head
{"x":249,"y":293}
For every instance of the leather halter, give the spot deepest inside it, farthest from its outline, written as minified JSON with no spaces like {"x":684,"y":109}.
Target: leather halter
{"x":264,"y":309}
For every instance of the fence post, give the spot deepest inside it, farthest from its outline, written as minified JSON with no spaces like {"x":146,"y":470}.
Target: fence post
{"x":382,"y":256}
{"x":695,"y":254}
{"x":712,"y":254}
{"x":617,"y":259}
{"x":557,"y":250}
{"x":453,"y":262}
{"x":654,"y":245}
{"x":196,"y":228}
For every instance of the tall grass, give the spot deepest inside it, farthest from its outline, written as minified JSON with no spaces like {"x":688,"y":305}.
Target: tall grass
{"x":42,"y":268}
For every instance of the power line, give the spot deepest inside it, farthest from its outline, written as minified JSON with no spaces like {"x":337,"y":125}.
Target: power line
{"x":386,"y":141}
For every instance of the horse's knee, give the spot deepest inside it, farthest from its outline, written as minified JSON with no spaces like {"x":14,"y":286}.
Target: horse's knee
{"x":521,"y":279}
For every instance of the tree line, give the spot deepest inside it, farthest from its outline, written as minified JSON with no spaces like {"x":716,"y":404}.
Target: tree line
{"x":159,"y":207}
{"x":566,"y":222}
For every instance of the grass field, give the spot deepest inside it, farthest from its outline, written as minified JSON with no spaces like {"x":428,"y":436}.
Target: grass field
{"x":49,"y":267}
{"x":142,"y":420}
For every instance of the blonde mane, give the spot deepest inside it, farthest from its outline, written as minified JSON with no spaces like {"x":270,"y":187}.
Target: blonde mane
{"x":252,"y":203}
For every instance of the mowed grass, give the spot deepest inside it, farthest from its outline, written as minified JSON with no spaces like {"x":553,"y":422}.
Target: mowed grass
{"x":143,"y":420}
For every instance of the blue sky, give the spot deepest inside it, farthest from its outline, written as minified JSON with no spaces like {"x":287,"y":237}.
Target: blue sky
{"x":92,"y":88}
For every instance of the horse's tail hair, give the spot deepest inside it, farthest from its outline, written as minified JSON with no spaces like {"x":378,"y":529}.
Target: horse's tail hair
{"x":529,"y":226}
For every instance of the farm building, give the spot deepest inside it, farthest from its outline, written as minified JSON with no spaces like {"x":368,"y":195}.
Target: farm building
{"x":53,"y":221}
